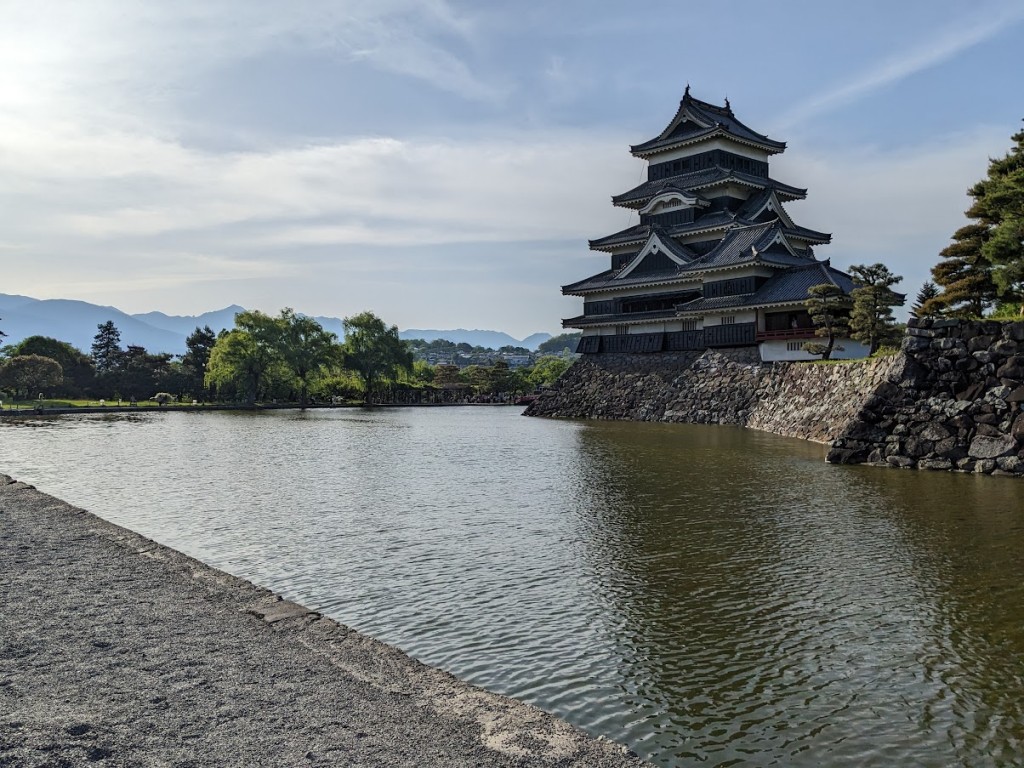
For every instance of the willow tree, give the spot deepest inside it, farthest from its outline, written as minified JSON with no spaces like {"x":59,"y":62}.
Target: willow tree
{"x":248,"y":356}
{"x":305,"y":348}
{"x":373,"y":351}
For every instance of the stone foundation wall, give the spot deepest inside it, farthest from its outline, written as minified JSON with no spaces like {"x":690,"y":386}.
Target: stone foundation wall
{"x":959,"y":404}
{"x":813,"y":402}
{"x":952,"y":399}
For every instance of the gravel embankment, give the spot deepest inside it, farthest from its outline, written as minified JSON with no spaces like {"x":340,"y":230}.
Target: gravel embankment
{"x":115,"y":650}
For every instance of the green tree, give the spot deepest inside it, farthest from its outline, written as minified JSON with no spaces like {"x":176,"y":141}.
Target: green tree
{"x":374,"y":351}
{"x":422,"y":372}
{"x":999,"y":207}
{"x":198,"y":345}
{"x":965,"y":276}
{"x":106,"y":347}
{"x":79,"y":373}
{"x":827,"y":306}
{"x":305,"y":348}
{"x":928,"y":292}
{"x":871,"y":319}
{"x":558,"y":344}
{"x":244,"y":359}
{"x":141,"y":373}
{"x":446,"y":375}
{"x":547,"y":370}
{"x":26,"y":375}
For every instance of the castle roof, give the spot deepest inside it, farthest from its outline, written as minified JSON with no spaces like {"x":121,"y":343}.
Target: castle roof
{"x":697,"y":120}
{"x":759,"y":207}
{"x":789,"y":286}
{"x":756,"y":243}
{"x":696,"y":180}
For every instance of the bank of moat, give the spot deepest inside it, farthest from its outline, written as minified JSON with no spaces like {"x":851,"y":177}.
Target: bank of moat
{"x":952,"y":399}
{"x":715,"y":260}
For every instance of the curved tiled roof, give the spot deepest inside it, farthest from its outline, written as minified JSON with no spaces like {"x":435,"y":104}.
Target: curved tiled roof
{"x":696,"y":120}
{"x":640,"y":232}
{"x":787,"y":287}
{"x":688,"y":182}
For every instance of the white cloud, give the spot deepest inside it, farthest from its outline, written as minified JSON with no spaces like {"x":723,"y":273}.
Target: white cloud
{"x":947,"y":43}
{"x":108,"y":60}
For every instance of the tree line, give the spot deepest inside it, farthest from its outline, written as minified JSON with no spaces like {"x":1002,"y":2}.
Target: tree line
{"x":285,"y":358}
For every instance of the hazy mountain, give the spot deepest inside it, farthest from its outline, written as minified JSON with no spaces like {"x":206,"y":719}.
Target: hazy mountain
{"x":75,"y":322}
{"x":477,"y":338}
{"x":534,"y":340}
{"x":183,"y":325}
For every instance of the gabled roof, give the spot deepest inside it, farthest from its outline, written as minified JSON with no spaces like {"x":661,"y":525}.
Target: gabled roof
{"x":750,"y":245}
{"x":640,"y":232}
{"x":697,"y":120}
{"x":604,"y":281}
{"x":696,"y":180}
{"x":787,"y":287}
{"x":672,"y":260}
{"x":659,"y":243}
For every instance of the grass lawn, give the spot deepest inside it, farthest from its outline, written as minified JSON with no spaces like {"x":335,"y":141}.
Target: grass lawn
{"x":57,"y":403}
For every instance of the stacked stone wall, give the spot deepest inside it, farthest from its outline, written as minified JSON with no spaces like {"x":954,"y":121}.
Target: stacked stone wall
{"x":952,"y":399}
{"x":959,"y":404}
{"x":813,"y":402}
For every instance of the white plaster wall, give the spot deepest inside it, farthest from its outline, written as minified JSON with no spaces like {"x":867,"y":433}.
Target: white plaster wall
{"x":775,"y":350}
{"x":706,"y":146}
{"x":741,"y":317}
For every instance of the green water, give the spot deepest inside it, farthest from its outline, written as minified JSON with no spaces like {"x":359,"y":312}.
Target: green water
{"x":706,"y":595}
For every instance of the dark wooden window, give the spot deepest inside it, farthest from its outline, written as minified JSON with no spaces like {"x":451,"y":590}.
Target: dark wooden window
{"x":737,"y":286}
{"x":710,"y":159}
{"x":738,"y":335}
{"x":599,"y":307}
{"x":633,"y":342}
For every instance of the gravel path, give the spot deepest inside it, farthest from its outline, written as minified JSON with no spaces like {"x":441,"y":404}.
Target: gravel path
{"x":117,"y":651}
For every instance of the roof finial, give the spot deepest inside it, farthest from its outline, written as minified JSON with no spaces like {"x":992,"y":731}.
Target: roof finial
{"x":686,"y":93}
{"x":727,"y":107}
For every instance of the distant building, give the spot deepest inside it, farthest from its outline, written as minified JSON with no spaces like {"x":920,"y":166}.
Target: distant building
{"x":716,"y":261}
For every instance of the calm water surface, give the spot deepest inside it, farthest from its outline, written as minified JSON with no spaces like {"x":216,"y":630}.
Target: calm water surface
{"x":706,"y":595}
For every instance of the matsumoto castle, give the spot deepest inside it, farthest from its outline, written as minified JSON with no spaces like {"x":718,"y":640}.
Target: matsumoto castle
{"x":716,"y":261}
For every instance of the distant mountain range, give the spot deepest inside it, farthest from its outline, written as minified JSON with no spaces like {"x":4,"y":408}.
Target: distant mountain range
{"x":75,"y":322}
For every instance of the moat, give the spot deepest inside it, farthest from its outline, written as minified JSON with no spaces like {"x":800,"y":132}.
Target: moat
{"x":703,"y":594}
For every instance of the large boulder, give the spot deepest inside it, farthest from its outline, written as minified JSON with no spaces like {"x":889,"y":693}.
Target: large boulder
{"x":984,"y":447}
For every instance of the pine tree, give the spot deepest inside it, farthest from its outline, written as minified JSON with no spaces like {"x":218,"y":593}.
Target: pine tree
{"x":871,"y":320}
{"x":106,"y":347}
{"x":999,"y":206}
{"x":826,"y":304}
{"x":965,"y":276}
{"x":985,"y":262}
{"x":928,"y":292}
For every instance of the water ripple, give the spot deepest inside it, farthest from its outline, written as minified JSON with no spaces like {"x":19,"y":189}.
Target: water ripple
{"x":704,"y":594}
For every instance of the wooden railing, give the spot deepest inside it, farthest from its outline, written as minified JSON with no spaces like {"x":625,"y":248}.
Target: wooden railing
{"x":788,"y":333}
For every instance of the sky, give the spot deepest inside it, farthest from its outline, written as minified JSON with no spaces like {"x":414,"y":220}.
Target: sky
{"x":443,"y":163}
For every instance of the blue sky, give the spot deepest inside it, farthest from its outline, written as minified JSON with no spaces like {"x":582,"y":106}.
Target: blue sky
{"x":444,"y":163}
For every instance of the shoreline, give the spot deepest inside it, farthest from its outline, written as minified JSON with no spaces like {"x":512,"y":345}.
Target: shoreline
{"x":119,"y":650}
{"x":93,"y":409}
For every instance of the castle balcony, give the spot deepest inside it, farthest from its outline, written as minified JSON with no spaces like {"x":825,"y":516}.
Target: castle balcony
{"x":788,"y":333}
